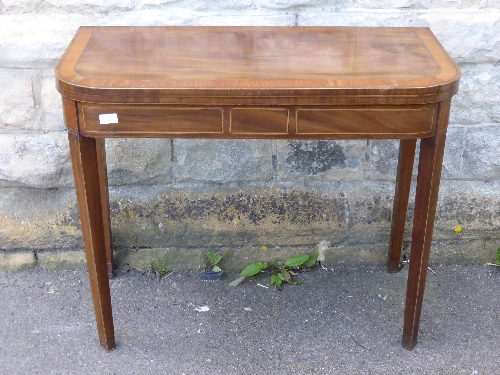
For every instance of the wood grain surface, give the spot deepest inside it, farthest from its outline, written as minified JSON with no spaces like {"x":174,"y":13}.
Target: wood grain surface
{"x":182,"y":64}
{"x":86,"y":172}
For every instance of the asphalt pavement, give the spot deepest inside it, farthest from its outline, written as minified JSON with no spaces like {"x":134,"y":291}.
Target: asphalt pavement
{"x":345,"y":320}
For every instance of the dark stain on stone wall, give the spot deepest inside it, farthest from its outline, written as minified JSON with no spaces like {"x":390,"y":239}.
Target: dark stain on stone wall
{"x":313,"y":157}
{"x":229,"y":218}
{"x":294,"y":207}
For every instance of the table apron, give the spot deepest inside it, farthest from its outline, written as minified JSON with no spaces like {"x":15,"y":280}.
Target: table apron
{"x":257,"y":122}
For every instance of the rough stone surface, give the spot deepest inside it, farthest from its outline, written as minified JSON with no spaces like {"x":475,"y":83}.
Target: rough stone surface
{"x":40,"y":161}
{"x":249,"y":18}
{"x":423,"y":4}
{"x":17,"y":107}
{"x":138,"y":161}
{"x":150,"y":178}
{"x":37,"y":40}
{"x":481,"y":153}
{"x":197,"y":5}
{"x":17,"y":261}
{"x":222,"y":161}
{"x":369,"y":214}
{"x":61,"y":260}
{"x":457,"y":251}
{"x":51,"y":104}
{"x":21,"y":5}
{"x":84,"y":6}
{"x":453,"y":153}
{"x":475,"y":206}
{"x":329,"y":17}
{"x":36,"y":219}
{"x":382,"y":160}
{"x":70,"y":6}
{"x":354,"y":217}
{"x":273,"y":217}
{"x":300,"y":161}
{"x":151,"y":17}
{"x":477,"y":101}
{"x":480,"y":30}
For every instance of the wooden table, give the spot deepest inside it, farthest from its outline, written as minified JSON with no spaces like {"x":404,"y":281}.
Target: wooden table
{"x":264,"y":83}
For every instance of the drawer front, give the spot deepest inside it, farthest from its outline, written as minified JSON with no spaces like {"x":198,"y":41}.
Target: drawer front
{"x":416,"y":122}
{"x":134,"y":120}
{"x":259,"y":121}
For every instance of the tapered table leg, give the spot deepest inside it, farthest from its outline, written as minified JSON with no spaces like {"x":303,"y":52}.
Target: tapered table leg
{"x":403,"y":183}
{"x":84,"y":155}
{"x":103,"y":183}
{"x":429,"y":174}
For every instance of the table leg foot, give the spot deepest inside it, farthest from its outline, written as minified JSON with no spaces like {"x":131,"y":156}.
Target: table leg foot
{"x":403,"y":183}
{"x":84,"y":156}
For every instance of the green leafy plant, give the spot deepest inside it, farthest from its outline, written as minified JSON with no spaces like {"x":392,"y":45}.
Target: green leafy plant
{"x":250,"y":270}
{"x":159,"y":266}
{"x":213,"y":261}
{"x":279,"y":274}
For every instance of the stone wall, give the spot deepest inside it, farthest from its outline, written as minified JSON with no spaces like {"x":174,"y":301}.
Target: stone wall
{"x":184,"y":196}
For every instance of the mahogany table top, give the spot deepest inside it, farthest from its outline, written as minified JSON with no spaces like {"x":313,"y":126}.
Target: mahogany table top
{"x":157,"y":64}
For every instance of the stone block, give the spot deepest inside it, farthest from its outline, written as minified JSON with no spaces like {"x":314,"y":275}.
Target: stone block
{"x":70,"y":6}
{"x":248,"y":18}
{"x":17,"y":107}
{"x":464,"y":252}
{"x":21,"y":5}
{"x":472,"y":37}
{"x":382,"y":160}
{"x":51,"y":104}
{"x":337,"y":257}
{"x":82,"y":6}
{"x":40,"y":161}
{"x":453,"y":153}
{"x":61,"y":260}
{"x":298,"y":4}
{"x":151,"y":17}
{"x":421,"y":4}
{"x":369,"y":212}
{"x":303,"y":161}
{"x":197,"y":5}
{"x":329,"y":16}
{"x":176,"y":258}
{"x":151,"y":217}
{"x":481,"y":159}
{"x":383,"y":157}
{"x":473,"y":205}
{"x":138,"y":161}
{"x":153,"y":3}
{"x":477,"y":101}
{"x":37,"y":219}
{"x":17,"y":261}
{"x":37,"y":40}
{"x":222,"y":161}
